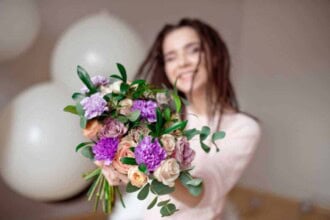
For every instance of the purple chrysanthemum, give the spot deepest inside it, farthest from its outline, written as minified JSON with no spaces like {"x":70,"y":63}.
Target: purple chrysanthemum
{"x":97,"y":81}
{"x":149,"y":153}
{"x":147,"y":109}
{"x":94,"y":105}
{"x":105,"y":149}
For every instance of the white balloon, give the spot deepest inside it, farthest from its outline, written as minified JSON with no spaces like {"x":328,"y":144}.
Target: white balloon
{"x":37,"y":145}
{"x":19,"y":27}
{"x":96,"y":43}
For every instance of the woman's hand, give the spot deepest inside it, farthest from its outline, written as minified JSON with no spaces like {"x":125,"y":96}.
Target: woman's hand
{"x":113,"y":177}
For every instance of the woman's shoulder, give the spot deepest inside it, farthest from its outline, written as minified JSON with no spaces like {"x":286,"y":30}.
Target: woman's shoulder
{"x":240,"y":121}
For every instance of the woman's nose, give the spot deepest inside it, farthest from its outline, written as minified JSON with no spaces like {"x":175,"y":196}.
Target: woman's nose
{"x":183,"y":60}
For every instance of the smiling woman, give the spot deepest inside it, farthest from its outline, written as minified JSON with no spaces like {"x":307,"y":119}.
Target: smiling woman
{"x":192,"y":56}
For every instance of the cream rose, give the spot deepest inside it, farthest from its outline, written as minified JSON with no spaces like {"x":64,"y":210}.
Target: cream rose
{"x":92,"y":128}
{"x":123,"y":151}
{"x":112,"y":88}
{"x":168,"y":142}
{"x":167,"y":172}
{"x":136,"y":177}
{"x":125,"y":106}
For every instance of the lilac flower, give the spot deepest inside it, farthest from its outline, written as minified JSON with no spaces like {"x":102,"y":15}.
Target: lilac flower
{"x":183,"y":153}
{"x":112,"y":128}
{"x":97,"y":81}
{"x":105,"y":150}
{"x":94,"y":105}
{"x":149,"y":153}
{"x":146,"y":108}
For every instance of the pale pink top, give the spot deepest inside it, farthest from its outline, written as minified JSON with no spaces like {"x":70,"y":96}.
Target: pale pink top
{"x":220,"y":171}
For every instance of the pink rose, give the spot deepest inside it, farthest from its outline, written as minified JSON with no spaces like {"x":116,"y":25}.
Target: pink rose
{"x":123,"y":151}
{"x":112,"y":128}
{"x":183,"y":153}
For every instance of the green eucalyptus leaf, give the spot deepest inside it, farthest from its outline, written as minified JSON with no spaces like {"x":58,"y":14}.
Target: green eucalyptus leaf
{"x":205,"y":147}
{"x":161,"y":189}
{"x":128,"y":160}
{"x":185,"y":178}
{"x":84,"y":144}
{"x":153,"y":203}
{"x":85,"y":78}
{"x":122,"y":119}
{"x":194,"y":182}
{"x":130,"y":188}
{"x":191,"y":133}
{"x":218,"y":135}
{"x":204,"y":132}
{"x":78,"y":96}
{"x":163,"y":202}
{"x":168,"y":209}
{"x":83,"y":122}
{"x":134,"y":115}
{"x":144,"y":192}
{"x":177,"y":125}
{"x":122,"y":71}
{"x":87,"y":152}
{"x":80,"y":109}
{"x":132,"y":149}
{"x":71,"y":109}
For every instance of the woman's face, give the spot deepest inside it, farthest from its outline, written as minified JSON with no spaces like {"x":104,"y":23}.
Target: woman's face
{"x":182,"y":51}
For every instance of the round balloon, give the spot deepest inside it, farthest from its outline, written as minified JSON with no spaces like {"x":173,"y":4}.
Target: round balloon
{"x":37,"y":145}
{"x":96,"y":43}
{"x":19,"y":27}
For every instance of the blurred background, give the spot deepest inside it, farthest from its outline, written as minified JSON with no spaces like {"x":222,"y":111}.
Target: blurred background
{"x":281,"y":71}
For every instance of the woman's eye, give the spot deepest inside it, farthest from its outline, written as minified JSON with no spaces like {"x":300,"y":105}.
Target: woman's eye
{"x":194,"y":50}
{"x":169,"y":59}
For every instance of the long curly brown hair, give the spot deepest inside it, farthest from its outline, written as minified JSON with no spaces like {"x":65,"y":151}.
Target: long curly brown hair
{"x":221,"y":95}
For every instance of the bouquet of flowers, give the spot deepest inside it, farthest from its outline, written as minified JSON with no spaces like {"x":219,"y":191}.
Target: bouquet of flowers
{"x":137,"y":130}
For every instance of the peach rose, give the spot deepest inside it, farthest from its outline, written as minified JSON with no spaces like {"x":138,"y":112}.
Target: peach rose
{"x":167,"y":172}
{"x":92,"y":128}
{"x":123,"y":151}
{"x":136,"y":177}
{"x":168,"y":142}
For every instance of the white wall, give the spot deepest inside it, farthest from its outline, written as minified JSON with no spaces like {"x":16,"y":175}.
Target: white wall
{"x":285,"y":80}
